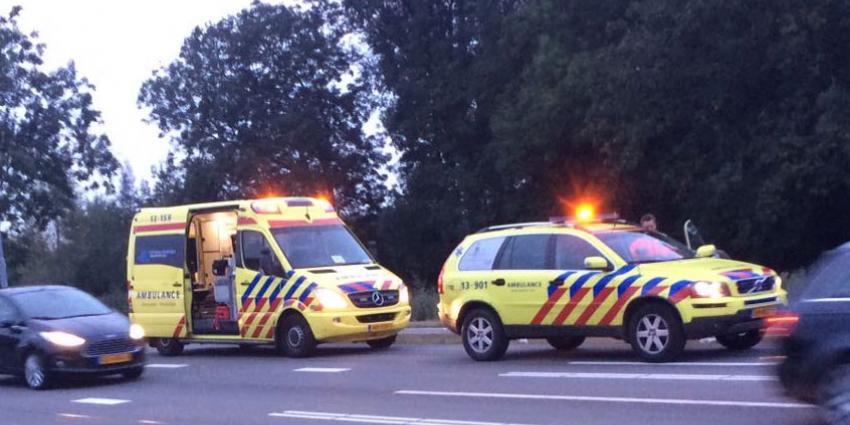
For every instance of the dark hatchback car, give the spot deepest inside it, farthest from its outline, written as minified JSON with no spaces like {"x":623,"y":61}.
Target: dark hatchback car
{"x":50,"y":332}
{"x":816,"y":367}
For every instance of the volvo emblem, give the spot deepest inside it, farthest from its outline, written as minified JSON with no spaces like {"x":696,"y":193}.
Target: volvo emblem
{"x":377,"y":298}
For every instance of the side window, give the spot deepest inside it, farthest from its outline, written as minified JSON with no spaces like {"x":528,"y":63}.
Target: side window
{"x":481,"y":255}
{"x":166,"y":250}
{"x":258,"y":255}
{"x":526,"y":252}
{"x":7,"y":310}
{"x":570,"y":252}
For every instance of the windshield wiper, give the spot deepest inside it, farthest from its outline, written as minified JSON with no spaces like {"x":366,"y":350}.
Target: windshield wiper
{"x":43,"y":318}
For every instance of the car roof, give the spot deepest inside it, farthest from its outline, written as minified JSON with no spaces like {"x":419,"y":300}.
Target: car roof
{"x":33,"y":288}
{"x":591,"y":227}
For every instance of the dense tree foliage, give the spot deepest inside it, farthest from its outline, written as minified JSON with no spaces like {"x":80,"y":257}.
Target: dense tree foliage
{"x":48,"y":143}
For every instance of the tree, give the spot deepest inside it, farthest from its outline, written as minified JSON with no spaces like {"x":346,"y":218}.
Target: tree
{"x":48,"y":144}
{"x":270,"y":101}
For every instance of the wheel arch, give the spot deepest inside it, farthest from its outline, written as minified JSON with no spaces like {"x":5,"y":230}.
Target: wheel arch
{"x":470,"y":306}
{"x":639,"y":302}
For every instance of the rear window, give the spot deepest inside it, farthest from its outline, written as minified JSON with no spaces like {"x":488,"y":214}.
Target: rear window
{"x":320,"y":246}
{"x":166,"y":250}
{"x":481,"y":255}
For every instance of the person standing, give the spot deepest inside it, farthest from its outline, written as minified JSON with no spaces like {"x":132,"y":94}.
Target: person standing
{"x":648,"y":223}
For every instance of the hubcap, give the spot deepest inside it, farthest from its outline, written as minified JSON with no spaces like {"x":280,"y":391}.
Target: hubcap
{"x":295,"y":336}
{"x":652,"y":334}
{"x":480,"y":335}
{"x":33,"y":372}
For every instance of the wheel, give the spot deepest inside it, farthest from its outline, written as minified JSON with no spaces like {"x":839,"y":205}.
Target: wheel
{"x":484,"y":338}
{"x":134,"y":373}
{"x":35,"y":374}
{"x":740,"y":341}
{"x":656,"y":333}
{"x":382,"y":343}
{"x":565,"y":343}
{"x":295,"y":338}
{"x":169,"y":347}
{"x":834,"y":397}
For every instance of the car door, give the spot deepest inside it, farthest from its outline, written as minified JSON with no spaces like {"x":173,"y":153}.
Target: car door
{"x":9,"y":336}
{"x":259,"y":279}
{"x":158,"y":282}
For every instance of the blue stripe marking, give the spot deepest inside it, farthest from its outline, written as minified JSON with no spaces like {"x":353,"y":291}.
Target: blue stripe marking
{"x":580,"y":281}
{"x":280,"y":286}
{"x":348,"y":288}
{"x":678,"y":286}
{"x":247,"y":293}
{"x":552,"y":288}
{"x":624,"y":285}
{"x":265,"y":287}
{"x":610,"y":276}
{"x":651,"y":284}
{"x":306,"y":293}
{"x":294,"y":288}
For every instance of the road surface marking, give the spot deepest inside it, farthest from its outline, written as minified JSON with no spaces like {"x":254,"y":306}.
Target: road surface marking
{"x":615,"y":363}
{"x":393,"y":420}
{"x":101,"y":401}
{"x":649,"y":376}
{"x":74,"y":416}
{"x":674,"y":401}
{"x":166,"y":365}
{"x":323,"y":369}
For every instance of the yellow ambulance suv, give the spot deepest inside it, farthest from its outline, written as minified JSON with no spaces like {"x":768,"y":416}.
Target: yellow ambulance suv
{"x":568,"y":280}
{"x":283,"y":271}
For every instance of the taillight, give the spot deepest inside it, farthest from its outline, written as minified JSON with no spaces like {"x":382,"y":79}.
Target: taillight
{"x":440,"y":288}
{"x":781,"y":324}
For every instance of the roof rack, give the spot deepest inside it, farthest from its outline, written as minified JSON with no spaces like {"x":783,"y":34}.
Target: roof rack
{"x":559,"y":221}
{"x":515,"y":226}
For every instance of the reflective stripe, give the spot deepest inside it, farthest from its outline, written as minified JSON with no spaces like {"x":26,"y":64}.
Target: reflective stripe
{"x":250,"y":289}
{"x":652,"y":283}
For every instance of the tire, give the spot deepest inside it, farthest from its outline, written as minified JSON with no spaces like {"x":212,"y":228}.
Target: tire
{"x":134,"y":373}
{"x":656,"y":333}
{"x":834,"y":396}
{"x":565,"y":343}
{"x":169,"y":347}
{"x":36,"y":375}
{"x":295,"y":338}
{"x":383,"y":343}
{"x":483,"y":336}
{"x":740,"y":341}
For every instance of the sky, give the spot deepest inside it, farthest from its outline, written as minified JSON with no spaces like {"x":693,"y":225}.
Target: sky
{"x":116,"y":44}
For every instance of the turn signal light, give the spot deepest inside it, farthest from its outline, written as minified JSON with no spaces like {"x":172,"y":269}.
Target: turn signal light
{"x":440,"y":288}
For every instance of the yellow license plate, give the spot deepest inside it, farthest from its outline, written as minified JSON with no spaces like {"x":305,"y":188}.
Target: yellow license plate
{"x":116,"y":358}
{"x":762,"y":312}
{"x":380,"y":327}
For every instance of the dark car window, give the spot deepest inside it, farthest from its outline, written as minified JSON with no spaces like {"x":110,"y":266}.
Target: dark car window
{"x":830,"y":277}
{"x":526,"y":252}
{"x":257,"y":254}
{"x":481,"y":255}
{"x":7,"y":310}
{"x":645,"y":247}
{"x":320,"y":246}
{"x":166,"y":250}
{"x":58,"y":304}
{"x":570,"y":252}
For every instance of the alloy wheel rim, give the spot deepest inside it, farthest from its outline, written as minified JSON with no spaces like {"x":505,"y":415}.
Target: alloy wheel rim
{"x":653,"y":333}
{"x":480,"y":335}
{"x":295,"y":336}
{"x":33,"y":371}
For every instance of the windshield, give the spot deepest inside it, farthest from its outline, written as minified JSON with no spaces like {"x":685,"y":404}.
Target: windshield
{"x":645,"y":247}
{"x":59,"y":304}
{"x":320,"y":246}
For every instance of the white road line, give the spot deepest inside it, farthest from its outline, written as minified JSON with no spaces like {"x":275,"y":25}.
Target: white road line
{"x":101,"y":401}
{"x":74,"y":416}
{"x":372,"y":419}
{"x":646,"y":376}
{"x":609,"y":399}
{"x":166,"y":365}
{"x":700,"y":364}
{"x":323,"y":369}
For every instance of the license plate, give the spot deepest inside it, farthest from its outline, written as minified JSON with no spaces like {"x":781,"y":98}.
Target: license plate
{"x":380,"y":327}
{"x":762,"y":312}
{"x":116,"y":358}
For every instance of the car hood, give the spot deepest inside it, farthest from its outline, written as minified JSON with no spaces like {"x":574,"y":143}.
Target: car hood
{"x":87,"y":327}
{"x":355,"y":278}
{"x":706,"y":269}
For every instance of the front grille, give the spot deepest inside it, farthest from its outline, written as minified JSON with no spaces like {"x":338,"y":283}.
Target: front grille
{"x":755,"y":285}
{"x":375,"y":318}
{"x":368,"y":299}
{"x":110,"y":346}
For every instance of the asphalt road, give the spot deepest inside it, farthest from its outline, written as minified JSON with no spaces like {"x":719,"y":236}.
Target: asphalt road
{"x":600,"y":383}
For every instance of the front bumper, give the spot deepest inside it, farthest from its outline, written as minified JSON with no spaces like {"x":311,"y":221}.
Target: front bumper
{"x":79,"y":363}
{"x":703,"y":327}
{"x":361,"y":324}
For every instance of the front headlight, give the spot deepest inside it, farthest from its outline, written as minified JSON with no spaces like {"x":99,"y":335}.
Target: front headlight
{"x":403,"y":295}
{"x":329,"y":298}
{"x":137,"y":332}
{"x":62,"y":339}
{"x":706,"y":289}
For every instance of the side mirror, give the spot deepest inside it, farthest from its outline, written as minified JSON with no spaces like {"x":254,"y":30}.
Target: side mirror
{"x":596,"y":263}
{"x":706,"y":251}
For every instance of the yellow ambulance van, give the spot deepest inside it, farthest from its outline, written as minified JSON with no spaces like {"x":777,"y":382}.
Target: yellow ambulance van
{"x":283,"y":271}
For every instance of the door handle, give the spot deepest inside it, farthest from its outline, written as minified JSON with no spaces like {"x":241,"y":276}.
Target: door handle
{"x":556,"y":282}
{"x":245,"y":283}
{"x":499,"y":282}
{"x":177,"y":284}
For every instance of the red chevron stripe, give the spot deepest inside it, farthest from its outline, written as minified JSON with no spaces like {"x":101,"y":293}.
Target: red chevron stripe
{"x":387,"y":285}
{"x":680,"y":296}
{"x":179,"y":329}
{"x":270,"y":334}
{"x":547,"y":306}
{"x":246,"y":305}
{"x":594,"y":305}
{"x":612,"y":313}
{"x":562,"y":316}
{"x":259,"y":304}
{"x":159,"y":227}
{"x":260,"y":325}
{"x":657,"y":290}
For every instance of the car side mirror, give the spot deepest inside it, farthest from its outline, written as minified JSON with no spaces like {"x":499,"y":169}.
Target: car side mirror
{"x":596,"y":263}
{"x":706,"y":251}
